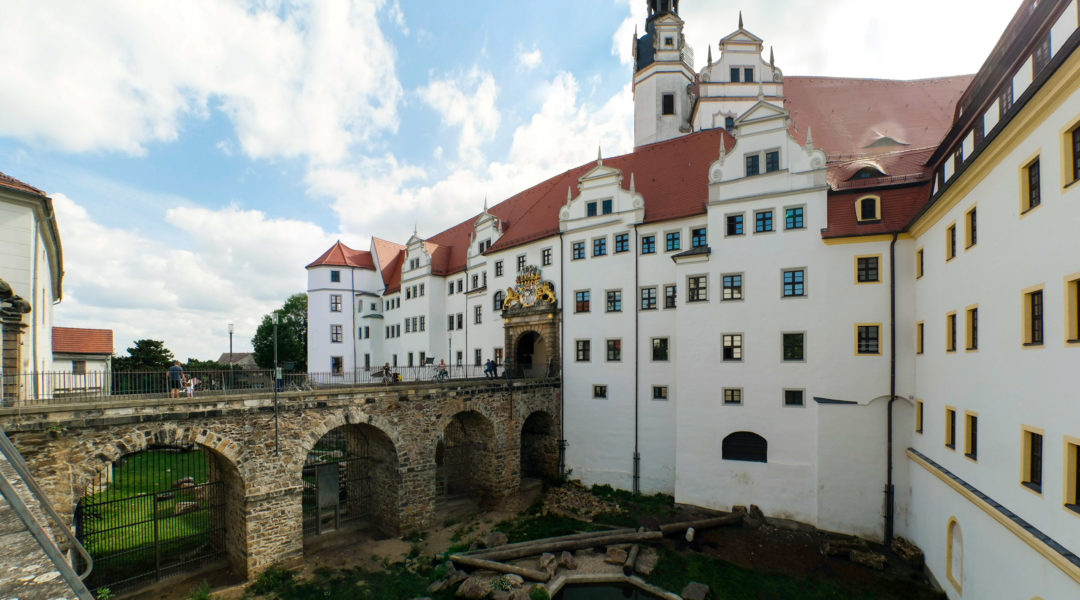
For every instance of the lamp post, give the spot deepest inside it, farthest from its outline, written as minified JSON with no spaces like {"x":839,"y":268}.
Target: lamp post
{"x":277,"y":376}
{"x":230,"y":353}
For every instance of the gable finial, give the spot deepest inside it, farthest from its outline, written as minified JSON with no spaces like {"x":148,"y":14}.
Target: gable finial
{"x":485,"y":203}
{"x":710,"y":54}
{"x":414,"y":229}
{"x":633,"y":188}
{"x":568,"y":195}
{"x":599,"y":157}
{"x":772,"y":58}
{"x":740,"y":19}
{"x":809,"y":137}
{"x":723,"y":150}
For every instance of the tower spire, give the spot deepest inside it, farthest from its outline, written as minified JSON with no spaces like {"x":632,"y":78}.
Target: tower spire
{"x":710,"y":54}
{"x":740,"y":19}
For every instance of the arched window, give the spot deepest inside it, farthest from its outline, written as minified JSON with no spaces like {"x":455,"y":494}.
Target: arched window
{"x":498,"y":300}
{"x":866,"y":173}
{"x":954,"y":560}
{"x":868,"y":208}
{"x":745,"y":445}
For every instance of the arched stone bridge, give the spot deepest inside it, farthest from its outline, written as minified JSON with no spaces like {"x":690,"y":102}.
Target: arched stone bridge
{"x":413,"y":444}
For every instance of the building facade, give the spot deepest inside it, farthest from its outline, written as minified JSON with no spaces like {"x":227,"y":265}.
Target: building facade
{"x":776,"y":298}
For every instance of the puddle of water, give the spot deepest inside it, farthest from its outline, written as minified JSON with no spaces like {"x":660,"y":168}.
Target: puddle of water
{"x":603,"y":591}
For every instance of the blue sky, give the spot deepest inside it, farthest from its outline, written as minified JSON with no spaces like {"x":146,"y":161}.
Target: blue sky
{"x":200,"y":153}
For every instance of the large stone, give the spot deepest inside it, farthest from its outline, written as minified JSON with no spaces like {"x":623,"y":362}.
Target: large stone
{"x":756,"y":513}
{"x":874,"y":560}
{"x":494,"y":539}
{"x":908,"y":552}
{"x":437,"y":586}
{"x":514,"y":580}
{"x":184,"y":482}
{"x":500,"y":595}
{"x":456,"y":577}
{"x":185,"y":507}
{"x":472,"y":589}
{"x":547,"y":562}
{"x":646,"y":562}
{"x":615,"y":556}
{"x":695,"y":591}
{"x":567,"y":560}
{"x":842,"y":547}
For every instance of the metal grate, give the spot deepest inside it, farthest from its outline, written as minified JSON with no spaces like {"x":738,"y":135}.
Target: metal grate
{"x":337,"y":481}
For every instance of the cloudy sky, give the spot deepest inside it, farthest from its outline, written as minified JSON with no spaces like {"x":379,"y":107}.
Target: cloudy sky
{"x":200,"y":153}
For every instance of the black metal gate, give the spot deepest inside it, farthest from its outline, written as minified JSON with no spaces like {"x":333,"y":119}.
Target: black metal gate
{"x":337,"y":482}
{"x":152,"y":514}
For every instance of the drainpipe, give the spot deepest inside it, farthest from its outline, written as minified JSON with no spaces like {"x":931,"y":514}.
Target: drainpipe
{"x":36,"y":369}
{"x":465,"y":320}
{"x":637,"y":367}
{"x":562,"y":365}
{"x":889,"y":492}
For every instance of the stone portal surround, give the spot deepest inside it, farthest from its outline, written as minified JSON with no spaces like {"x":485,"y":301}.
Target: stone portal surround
{"x":66,"y":447}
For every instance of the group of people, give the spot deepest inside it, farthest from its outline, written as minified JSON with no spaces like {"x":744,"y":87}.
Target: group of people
{"x":178,"y":381}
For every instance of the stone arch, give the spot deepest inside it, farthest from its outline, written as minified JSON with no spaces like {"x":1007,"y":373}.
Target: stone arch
{"x":465,"y":456}
{"x":531,"y":356}
{"x":745,"y":446}
{"x":539,"y":451}
{"x":351,"y":416}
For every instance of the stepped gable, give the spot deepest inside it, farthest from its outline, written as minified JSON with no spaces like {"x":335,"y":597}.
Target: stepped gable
{"x":75,"y":340}
{"x":340,"y":255}
{"x":6,"y":181}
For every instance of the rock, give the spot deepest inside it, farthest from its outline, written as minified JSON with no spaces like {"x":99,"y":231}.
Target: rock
{"x":738,"y":508}
{"x":695,"y":591}
{"x":547,"y":562}
{"x":449,"y":568}
{"x":184,"y":482}
{"x":567,"y":560}
{"x":646,"y":562}
{"x":842,"y":547}
{"x":471,"y":589}
{"x":756,"y":513}
{"x":438,"y":586}
{"x":615,"y":556}
{"x":874,"y":560}
{"x":494,"y":539}
{"x":185,"y":507}
{"x":750,"y":522}
{"x":908,"y":552}
{"x":500,"y":595}
{"x":514,"y":579}
{"x":456,"y":577}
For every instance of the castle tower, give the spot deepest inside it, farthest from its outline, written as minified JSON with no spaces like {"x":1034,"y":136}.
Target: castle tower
{"x":663,"y":76}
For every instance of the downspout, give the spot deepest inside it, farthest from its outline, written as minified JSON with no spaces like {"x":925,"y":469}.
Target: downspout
{"x":562,"y":365}
{"x":637,"y":367}
{"x":33,"y":318}
{"x":465,"y":319}
{"x":889,"y":492}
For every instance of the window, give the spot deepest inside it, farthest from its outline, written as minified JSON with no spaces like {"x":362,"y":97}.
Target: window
{"x":497,"y":301}
{"x":1031,"y":448}
{"x":475,"y":281}
{"x":460,"y":320}
{"x":950,"y":242}
{"x":408,"y":325}
{"x":1074,"y":153}
{"x":599,"y":391}
{"x":919,"y":331}
{"x":577,"y":250}
{"x":794,"y":346}
{"x":671,"y":241}
{"x":457,"y":358}
{"x":335,"y":276}
{"x":614,"y":350}
{"x":648,"y":298}
{"x":698,"y":237}
{"x":732,"y":395}
{"x":950,"y":332}
{"x":520,"y":265}
{"x":498,"y":356}
{"x":423,"y":323}
{"x":485,"y":284}
{"x":1005,"y":100}
{"x":450,"y":289}
{"x":793,"y":398}
{"x":599,"y":247}
{"x":971,"y":328}
{"x":670,"y":295}
{"x":971,"y":439}
{"x":793,"y":218}
{"x":605,"y":207}
{"x":918,"y":416}
{"x":919,"y":263}
{"x":866,"y":269}
{"x":1041,"y":56}
{"x":1072,"y":474}
{"x":659,"y":349}
{"x":763,"y":221}
{"x":335,"y":334}
{"x":478,"y":314}
{"x":581,"y":301}
{"x":461,"y":282}
{"x":734,"y":74}
{"x":498,"y":268}
{"x":729,"y":123}
{"x":545,"y":257}
{"x":732,"y":346}
{"x":752,"y":164}
{"x":1033,"y":318}
{"x":659,"y":392}
{"x":1032,"y":193}
{"x":748,"y":74}
{"x":867,"y":339}
{"x":954,"y":555}
{"x":869,"y":208}
{"x":772,"y":161}
{"x":477,"y":360}
{"x":698,"y":289}
{"x":450,"y":322}
{"x":614,"y":301}
{"x":1072,"y":309}
{"x":78,"y":367}
{"x":581,"y":350}
{"x":734,"y":224}
{"x":794,"y":283}
{"x":972,"y":232}
{"x":622,"y":243}
{"x":335,"y":302}
{"x":648,"y":244}
{"x":732,"y":287}
{"x":744,"y":445}
{"x":950,"y":427}
{"x":668,"y":104}
{"x":337,"y":365}
{"x":590,"y":209}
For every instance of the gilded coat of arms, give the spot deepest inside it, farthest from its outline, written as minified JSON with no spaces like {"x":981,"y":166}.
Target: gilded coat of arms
{"x":530,"y":290}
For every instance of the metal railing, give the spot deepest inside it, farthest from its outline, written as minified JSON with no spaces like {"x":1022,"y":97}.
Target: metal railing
{"x":56,"y":388}
{"x":74,"y":580}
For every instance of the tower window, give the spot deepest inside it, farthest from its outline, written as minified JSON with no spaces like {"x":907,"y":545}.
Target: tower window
{"x":748,"y":75}
{"x":734,"y":75}
{"x":668,"y":104}
{"x":669,"y":41}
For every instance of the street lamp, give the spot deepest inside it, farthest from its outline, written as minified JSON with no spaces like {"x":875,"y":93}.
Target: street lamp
{"x":277,"y":377}
{"x":230,"y":353}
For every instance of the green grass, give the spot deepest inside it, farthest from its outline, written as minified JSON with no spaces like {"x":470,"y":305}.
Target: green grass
{"x":634,"y":508}
{"x":534,"y":527}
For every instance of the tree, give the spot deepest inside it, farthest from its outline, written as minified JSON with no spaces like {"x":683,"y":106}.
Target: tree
{"x":291,"y":333}
{"x":145,"y":355}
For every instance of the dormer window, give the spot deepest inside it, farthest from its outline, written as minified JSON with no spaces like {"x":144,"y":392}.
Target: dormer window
{"x":605,"y":207}
{"x":866,"y":173}
{"x":484,"y":245}
{"x":734,"y":74}
{"x":748,"y":75}
{"x":414,"y":263}
{"x":868,"y":209}
{"x":729,"y":123}
{"x":668,"y":104}
{"x":590,"y":209}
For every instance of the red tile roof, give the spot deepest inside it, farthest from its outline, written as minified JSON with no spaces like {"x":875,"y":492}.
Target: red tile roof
{"x":898,"y":206}
{"x":340,"y":255}
{"x":6,"y":181}
{"x":73,"y":340}
{"x":391,"y":256}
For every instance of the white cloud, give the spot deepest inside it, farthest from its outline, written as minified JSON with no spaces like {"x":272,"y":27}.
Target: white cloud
{"x":397,"y":16}
{"x":531,"y":59}
{"x":472,"y":109}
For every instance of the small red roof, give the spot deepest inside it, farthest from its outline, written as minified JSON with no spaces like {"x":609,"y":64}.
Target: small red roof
{"x":6,"y":181}
{"x":74,"y":340}
{"x":340,"y":255}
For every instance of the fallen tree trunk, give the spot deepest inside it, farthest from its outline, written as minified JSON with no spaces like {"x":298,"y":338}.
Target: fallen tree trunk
{"x":530,"y":543}
{"x":490,"y":565}
{"x":631,"y":558}
{"x":560,"y":544}
{"x":732,"y":519}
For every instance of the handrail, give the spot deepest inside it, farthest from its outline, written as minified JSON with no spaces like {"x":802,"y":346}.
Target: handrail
{"x":16,"y":461}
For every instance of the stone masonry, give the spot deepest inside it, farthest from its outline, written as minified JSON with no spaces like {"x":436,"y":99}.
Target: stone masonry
{"x":480,"y":422}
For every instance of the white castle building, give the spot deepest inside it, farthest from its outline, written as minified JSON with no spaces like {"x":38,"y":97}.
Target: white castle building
{"x":852,"y":302}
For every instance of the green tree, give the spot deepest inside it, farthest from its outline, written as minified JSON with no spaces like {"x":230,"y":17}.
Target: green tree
{"x":194,"y":364}
{"x":291,"y":335}
{"x":145,"y":355}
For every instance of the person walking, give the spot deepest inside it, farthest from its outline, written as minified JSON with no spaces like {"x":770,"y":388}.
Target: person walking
{"x":177,"y":381}
{"x":489,"y":369}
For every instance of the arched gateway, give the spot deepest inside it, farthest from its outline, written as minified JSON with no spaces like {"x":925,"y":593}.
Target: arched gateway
{"x":531,"y":326}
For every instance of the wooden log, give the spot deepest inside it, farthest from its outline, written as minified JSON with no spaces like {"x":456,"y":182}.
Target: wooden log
{"x":554,"y":545}
{"x":631,"y":558}
{"x":732,"y":519}
{"x":490,"y":565}
{"x":544,"y":541}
